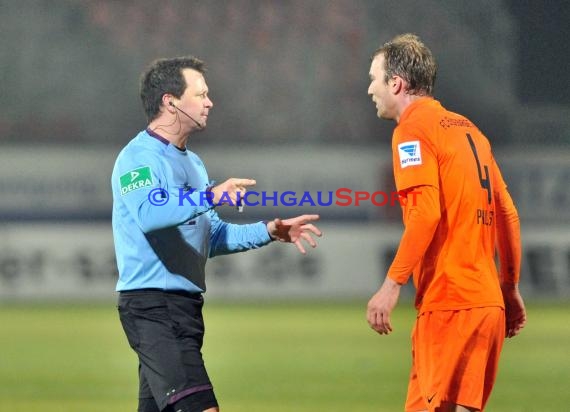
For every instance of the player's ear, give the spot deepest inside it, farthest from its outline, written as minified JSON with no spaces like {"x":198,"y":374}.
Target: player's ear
{"x":398,"y":85}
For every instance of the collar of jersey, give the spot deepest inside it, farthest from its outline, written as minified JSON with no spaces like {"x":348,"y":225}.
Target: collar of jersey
{"x":161,"y":139}
{"x":421,"y":102}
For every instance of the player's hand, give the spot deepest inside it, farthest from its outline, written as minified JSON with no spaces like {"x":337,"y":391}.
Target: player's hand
{"x":227,"y":192}
{"x":294,"y":230}
{"x":515,"y":312}
{"x":380,"y":306}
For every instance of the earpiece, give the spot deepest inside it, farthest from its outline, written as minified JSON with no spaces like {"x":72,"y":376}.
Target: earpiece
{"x":200,"y":125}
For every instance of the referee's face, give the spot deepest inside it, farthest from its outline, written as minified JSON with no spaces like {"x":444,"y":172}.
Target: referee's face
{"x":195,"y":101}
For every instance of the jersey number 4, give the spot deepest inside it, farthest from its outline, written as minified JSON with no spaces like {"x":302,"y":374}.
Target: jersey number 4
{"x":485,"y":182}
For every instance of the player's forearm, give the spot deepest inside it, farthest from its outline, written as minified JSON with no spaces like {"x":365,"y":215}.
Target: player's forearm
{"x":508,"y":238}
{"x":421,"y":223}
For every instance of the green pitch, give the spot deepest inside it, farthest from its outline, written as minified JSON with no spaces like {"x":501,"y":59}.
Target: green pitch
{"x":277,"y":357}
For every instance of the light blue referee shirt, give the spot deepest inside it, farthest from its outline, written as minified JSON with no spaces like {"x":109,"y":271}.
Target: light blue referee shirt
{"x":164,"y":228}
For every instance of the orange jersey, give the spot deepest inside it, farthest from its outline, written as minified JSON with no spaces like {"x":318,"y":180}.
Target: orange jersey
{"x":449,"y":157}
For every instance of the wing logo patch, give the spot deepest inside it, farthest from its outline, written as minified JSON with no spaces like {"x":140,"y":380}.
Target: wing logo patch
{"x":410,"y":153}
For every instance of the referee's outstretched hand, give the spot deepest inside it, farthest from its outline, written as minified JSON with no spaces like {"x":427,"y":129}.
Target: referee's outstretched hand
{"x":294,"y":229}
{"x":231,"y":191}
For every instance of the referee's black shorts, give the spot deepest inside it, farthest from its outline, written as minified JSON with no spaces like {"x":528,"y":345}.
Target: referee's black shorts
{"x":166,"y":330}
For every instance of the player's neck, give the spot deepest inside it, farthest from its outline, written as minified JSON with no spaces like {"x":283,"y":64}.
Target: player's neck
{"x":405,"y":102}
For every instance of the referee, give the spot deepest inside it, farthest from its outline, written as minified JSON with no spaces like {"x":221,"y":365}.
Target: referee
{"x":165,"y":227}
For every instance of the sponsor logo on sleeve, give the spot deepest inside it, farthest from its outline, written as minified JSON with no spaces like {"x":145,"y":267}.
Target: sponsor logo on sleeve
{"x":136,"y":179}
{"x":410,"y":153}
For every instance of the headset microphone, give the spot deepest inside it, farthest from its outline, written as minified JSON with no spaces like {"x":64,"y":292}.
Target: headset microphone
{"x":200,"y":125}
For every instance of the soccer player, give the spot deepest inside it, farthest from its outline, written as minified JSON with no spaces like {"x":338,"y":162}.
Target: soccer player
{"x":464,"y":307}
{"x":165,"y":227}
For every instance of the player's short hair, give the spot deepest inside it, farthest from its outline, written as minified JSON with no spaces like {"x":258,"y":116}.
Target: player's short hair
{"x":165,"y":76}
{"x":408,"y":57}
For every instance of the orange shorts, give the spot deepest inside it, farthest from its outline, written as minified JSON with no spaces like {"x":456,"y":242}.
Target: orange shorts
{"x":455,"y":357}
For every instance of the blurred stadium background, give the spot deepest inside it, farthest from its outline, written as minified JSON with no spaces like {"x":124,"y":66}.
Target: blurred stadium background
{"x":288,"y":80}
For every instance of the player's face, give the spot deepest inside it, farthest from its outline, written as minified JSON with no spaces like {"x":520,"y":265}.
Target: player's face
{"x":380,"y":91}
{"x":195,"y":100}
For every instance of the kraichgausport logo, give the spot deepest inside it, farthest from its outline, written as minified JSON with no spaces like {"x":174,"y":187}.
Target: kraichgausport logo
{"x":136,"y":179}
{"x":410,"y":153}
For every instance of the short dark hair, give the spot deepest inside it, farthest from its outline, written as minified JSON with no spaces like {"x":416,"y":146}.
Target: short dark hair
{"x":408,"y":57}
{"x":165,"y":76}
